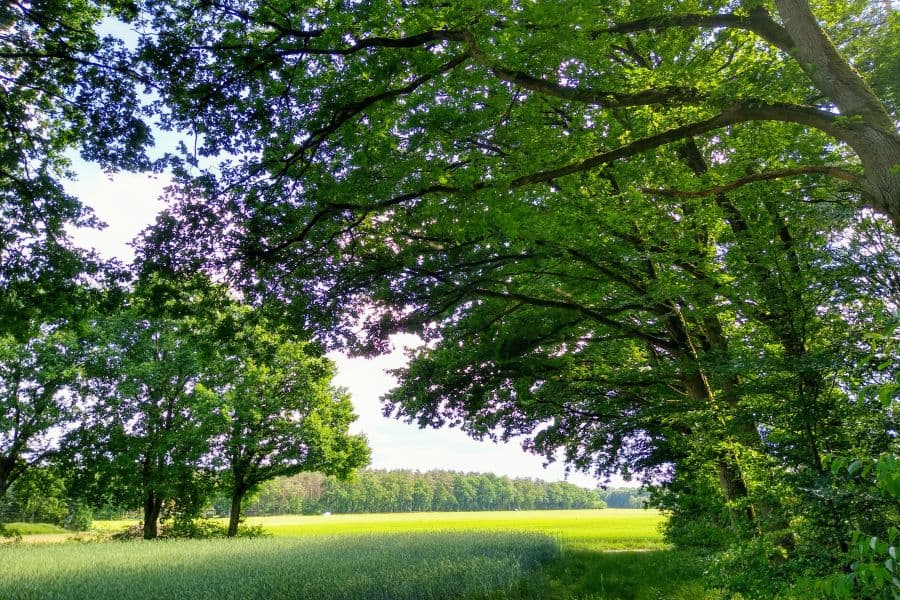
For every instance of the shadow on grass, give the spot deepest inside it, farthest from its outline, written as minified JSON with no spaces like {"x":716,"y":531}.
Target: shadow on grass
{"x":584,"y":574}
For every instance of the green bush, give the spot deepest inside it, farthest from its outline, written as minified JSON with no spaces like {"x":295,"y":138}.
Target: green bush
{"x":80,"y":517}
{"x":198,"y":529}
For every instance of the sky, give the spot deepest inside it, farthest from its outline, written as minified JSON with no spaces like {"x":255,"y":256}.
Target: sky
{"x":129,"y":202}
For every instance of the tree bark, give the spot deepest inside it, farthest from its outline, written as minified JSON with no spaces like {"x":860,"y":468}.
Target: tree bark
{"x":234,"y":518}
{"x":874,"y":137}
{"x":152,"y":509}
{"x":734,"y":488}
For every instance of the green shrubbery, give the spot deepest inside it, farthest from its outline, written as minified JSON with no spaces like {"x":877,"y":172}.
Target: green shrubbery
{"x":200,"y":529}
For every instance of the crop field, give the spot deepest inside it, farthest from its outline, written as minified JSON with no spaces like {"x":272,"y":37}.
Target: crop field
{"x":528,"y":554}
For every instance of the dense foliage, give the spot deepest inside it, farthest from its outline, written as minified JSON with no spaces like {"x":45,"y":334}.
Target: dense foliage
{"x":158,"y":396}
{"x":281,"y":414}
{"x":410,"y":491}
{"x":636,"y":233}
{"x":65,"y":88}
{"x":655,"y":237}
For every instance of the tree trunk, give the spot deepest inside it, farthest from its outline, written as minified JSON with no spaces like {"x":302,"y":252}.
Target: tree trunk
{"x":152,"y":508}
{"x":734,"y":488}
{"x":234,"y":518}
{"x":874,"y":138}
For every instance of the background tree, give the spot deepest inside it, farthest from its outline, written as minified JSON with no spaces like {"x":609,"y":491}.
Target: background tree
{"x":145,"y":430}
{"x":38,"y":496}
{"x":281,"y":413}
{"x":37,"y":401}
{"x":377,"y":491}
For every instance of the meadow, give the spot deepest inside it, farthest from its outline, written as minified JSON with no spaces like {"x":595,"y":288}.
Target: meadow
{"x":589,"y":554}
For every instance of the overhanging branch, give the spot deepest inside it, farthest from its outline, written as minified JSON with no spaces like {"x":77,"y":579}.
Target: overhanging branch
{"x":758,"y":21}
{"x":836,"y":172}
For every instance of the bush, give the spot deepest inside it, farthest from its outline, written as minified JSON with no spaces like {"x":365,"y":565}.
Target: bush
{"x":200,"y":529}
{"x":80,"y":517}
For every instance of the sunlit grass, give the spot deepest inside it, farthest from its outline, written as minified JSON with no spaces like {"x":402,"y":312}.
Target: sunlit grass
{"x":347,"y":567}
{"x":551,"y":555}
{"x":33,"y":528}
{"x":613,"y":529}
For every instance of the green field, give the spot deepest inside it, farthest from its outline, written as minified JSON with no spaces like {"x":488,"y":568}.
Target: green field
{"x":34,"y":529}
{"x":529,"y":554}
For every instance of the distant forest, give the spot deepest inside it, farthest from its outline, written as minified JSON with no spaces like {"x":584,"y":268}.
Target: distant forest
{"x":377,"y":491}
{"x":41,"y":497}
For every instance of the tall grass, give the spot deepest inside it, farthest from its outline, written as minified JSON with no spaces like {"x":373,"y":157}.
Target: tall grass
{"x":533,"y":555}
{"x":347,"y":567}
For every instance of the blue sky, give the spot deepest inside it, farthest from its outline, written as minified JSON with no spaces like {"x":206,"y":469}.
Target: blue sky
{"x":129,"y":202}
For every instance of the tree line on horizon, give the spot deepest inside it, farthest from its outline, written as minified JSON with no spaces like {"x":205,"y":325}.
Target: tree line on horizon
{"x":42,"y":497}
{"x":380,"y":491}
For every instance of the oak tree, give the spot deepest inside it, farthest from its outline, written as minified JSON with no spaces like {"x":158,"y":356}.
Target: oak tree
{"x":280,"y":412}
{"x":623,"y":228}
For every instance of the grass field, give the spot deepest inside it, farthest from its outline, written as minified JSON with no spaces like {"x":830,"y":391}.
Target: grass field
{"x":553,"y":555}
{"x":34,"y":529}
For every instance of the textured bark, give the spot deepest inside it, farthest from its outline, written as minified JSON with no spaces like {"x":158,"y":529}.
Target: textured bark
{"x":873,"y":136}
{"x":152,"y":509}
{"x":234,"y":518}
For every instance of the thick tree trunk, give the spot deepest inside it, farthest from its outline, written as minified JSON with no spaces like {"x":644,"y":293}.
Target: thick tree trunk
{"x":874,"y":137}
{"x":234,"y":518}
{"x":4,"y":480}
{"x":734,"y":488}
{"x":879,"y":152}
{"x":152,"y":509}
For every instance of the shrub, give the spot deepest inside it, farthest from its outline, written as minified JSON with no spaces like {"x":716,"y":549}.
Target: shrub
{"x":199,"y":529}
{"x":80,"y":517}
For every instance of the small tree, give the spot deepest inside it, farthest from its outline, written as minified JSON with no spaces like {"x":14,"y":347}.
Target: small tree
{"x":281,"y":414}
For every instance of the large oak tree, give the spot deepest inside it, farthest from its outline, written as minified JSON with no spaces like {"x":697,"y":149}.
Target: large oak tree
{"x":622,"y":227}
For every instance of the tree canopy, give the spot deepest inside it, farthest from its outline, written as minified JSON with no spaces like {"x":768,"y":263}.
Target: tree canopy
{"x":658,"y":237}
{"x":281,"y":414}
{"x":65,"y":88}
{"x":641,"y":233}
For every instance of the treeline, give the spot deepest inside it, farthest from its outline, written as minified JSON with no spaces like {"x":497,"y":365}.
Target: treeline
{"x":42,"y":497}
{"x":378,"y":491}
{"x":625,"y":497}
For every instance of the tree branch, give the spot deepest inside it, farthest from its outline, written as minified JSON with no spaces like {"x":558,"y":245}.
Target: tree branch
{"x":758,"y":21}
{"x":347,"y":112}
{"x":583,"y":95}
{"x":732,"y":115}
{"x":595,"y":315}
{"x":836,"y":172}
